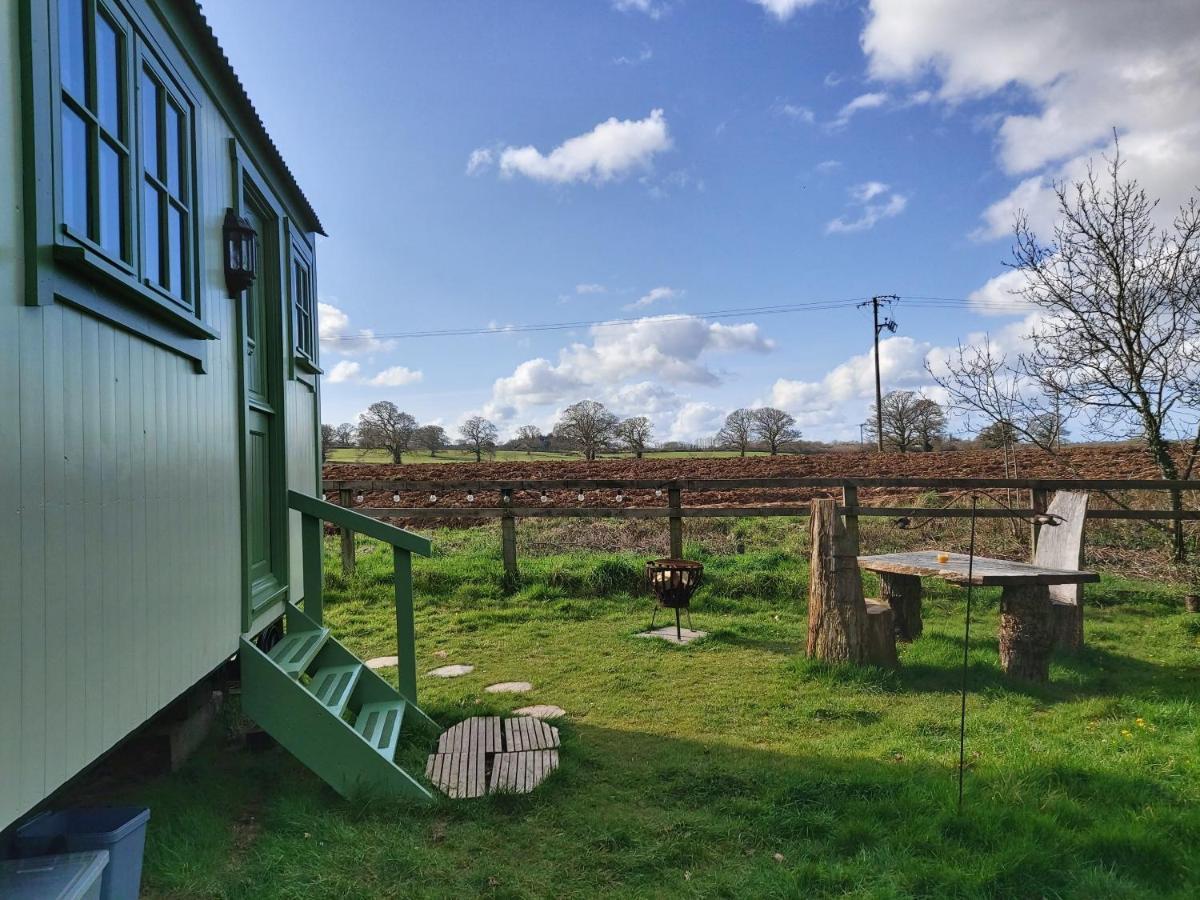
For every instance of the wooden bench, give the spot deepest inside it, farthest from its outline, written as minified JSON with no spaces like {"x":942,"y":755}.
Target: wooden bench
{"x":1060,"y":546}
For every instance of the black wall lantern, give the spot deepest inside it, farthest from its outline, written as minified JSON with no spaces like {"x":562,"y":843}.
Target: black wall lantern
{"x":241,"y":253}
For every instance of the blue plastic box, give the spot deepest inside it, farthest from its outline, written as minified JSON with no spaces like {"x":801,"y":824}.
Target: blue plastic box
{"x":119,"y":830}
{"x":72,"y":876}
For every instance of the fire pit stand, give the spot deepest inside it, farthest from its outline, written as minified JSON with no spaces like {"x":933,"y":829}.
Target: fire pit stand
{"x":673,"y":581}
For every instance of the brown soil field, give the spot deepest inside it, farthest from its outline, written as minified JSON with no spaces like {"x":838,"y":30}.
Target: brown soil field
{"x":1104,"y":461}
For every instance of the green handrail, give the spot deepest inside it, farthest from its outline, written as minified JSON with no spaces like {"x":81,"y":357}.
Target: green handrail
{"x":404,"y":543}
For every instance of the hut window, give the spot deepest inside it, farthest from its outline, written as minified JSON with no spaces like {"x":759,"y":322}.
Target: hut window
{"x":124,"y":152}
{"x":94,"y":125}
{"x":166,"y":205}
{"x":305,"y":330}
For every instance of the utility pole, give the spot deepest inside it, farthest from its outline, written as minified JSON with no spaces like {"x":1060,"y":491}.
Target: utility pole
{"x":890,"y":324}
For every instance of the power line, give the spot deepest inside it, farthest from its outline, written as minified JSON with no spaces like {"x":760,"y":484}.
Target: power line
{"x":983,"y":305}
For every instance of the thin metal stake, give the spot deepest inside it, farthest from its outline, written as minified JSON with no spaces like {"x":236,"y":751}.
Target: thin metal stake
{"x":962,"y":720}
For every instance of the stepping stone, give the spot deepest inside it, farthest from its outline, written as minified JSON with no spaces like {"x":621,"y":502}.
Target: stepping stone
{"x":487,"y":754}
{"x":509,"y":687}
{"x":541,"y":711}
{"x":383,"y":662}
{"x":667,"y":633}
{"x":450,"y":671}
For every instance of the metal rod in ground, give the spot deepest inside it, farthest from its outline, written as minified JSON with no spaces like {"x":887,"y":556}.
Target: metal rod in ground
{"x":962,"y":716}
{"x":678,"y":633}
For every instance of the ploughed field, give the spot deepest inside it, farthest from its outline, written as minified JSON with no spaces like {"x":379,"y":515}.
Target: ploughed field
{"x":1107,"y":461}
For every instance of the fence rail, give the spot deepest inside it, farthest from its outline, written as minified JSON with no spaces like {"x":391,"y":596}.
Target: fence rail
{"x":674,"y":509}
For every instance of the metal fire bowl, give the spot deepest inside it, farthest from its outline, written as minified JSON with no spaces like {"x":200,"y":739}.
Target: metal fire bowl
{"x":673,"y":581}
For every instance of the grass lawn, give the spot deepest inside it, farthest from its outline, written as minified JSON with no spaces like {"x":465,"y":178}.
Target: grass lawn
{"x":732,"y":768}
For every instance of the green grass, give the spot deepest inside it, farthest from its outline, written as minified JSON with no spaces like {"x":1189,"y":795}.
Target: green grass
{"x":458,"y":456}
{"x":732,"y":768}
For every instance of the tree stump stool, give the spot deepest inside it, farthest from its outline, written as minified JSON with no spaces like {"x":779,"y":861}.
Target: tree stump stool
{"x":879,"y":637}
{"x":903,"y":594}
{"x":1027,"y":632}
{"x":836,"y":610}
{"x":1192,"y":603}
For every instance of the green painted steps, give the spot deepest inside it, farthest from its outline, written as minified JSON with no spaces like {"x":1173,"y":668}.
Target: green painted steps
{"x":329,"y":710}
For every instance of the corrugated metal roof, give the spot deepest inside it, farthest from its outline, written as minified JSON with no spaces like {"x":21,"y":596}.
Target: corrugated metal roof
{"x":225,"y":68}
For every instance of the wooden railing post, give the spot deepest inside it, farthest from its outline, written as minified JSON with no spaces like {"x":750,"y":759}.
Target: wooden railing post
{"x":346,"y":499}
{"x":310,"y":541}
{"x":1038,"y":502}
{"x":406,"y":631}
{"x":508,"y":537}
{"x":850,"y":499}
{"x":673,"y":502}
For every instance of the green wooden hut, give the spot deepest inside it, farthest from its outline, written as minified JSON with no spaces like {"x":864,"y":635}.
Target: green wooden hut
{"x":159,"y":416}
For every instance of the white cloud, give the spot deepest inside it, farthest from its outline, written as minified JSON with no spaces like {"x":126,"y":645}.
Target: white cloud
{"x":870,"y":213}
{"x":480,"y":160}
{"x":590,"y":288}
{"x":997,"y":297}
{"x":345,"y":370}
{"x":336,"y":336}
{"x":671,"y":349}
{"x":829,"y":165}
{"x":651,"y":8}
{"x":797,"y":112}
{"x":695,"y":420}
{"x":863,"y":101}
{"x":783,"y":9}
{"x":643,"y":56}
{"x":608,"y":152}
{"x":1086,"y":66}
{"x":654,"y":295}
{"x":396,"y":376}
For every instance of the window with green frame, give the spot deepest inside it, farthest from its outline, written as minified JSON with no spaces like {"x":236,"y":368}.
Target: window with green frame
{"x":304,"y":306}
{"x":125,"y":150}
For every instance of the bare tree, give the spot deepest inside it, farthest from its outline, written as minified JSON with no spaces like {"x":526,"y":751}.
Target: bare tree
{"x":1119,"y":298}
{"x":328,"y":438}
{"x":384,"y":427}
{"x":738,"y":431}
{"x":931,"y":424}
{"x":899,"y":415}
{"x":774,"y":427}
{"x":344,"y":435}
{"x":635,"y":434}
{"x":588,"y":425}
{"x":431,"y":437}
{"x":529,"y":438}
{"x":479,"y":435}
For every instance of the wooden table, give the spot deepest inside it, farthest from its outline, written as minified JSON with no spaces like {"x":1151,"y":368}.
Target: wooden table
{"x":1026,"y":626}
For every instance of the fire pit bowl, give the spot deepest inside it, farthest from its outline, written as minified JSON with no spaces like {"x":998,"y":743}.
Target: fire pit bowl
{"x":673,"y":581}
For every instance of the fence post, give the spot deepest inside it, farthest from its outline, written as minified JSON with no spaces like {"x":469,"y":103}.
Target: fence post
{"x":676,"y":523}
{"x":1038,"y":501}
{"x":508,"y":536}
{"x":850,"y":499}
{"x":346,"y":499}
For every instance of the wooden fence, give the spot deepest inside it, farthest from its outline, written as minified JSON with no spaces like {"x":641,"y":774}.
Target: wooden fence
{"x":672,"y":491}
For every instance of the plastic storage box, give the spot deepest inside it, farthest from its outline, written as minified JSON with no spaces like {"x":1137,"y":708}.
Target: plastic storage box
{"x":71,"y":876}
{"x":119,"y":830}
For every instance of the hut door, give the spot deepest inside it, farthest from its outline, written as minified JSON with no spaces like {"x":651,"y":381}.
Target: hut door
{"x":265,"y":500}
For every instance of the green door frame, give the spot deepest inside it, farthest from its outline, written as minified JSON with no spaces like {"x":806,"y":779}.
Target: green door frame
{"x":251,"y":189}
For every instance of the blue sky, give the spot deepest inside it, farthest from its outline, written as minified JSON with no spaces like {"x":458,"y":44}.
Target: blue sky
{"x":760,"y":152}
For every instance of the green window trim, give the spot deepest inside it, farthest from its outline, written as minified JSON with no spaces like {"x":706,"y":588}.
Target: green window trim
{"x":303,"y":293}
{"x":83,"y":65}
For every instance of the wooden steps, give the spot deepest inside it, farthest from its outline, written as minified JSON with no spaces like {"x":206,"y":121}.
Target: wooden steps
{"x":380,"y":724}
{"x":296,"y":651}
{"x":308,"y":690}
{"x":333,"y":686}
